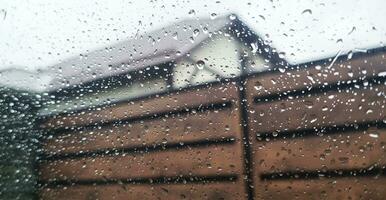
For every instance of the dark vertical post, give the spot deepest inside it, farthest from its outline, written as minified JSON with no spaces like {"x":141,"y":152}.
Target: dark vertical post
{"x":248,"y":168}
{"x":245,"y":130}
{"x":170,"y":76}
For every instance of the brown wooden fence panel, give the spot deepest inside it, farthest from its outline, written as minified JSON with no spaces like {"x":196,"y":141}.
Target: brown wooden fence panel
{"x":321,"y":121}
{"x":331,"y":108}
{"x":204,"y":161}
{"x":337,"y":188}
{"x":342,"y":150}
{"x":155,"y":104}
{"x":209,"y":191}
{"x":341,"y":71}
{"x":188,"y":143}
{"x":200,"y":126}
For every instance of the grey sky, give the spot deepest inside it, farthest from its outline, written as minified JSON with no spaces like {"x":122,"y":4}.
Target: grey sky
{"x":36,"y":34}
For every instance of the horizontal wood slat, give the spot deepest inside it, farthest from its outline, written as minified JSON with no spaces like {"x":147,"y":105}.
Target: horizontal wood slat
{"x":201,"y":126}
{"x":348,"y":150}
{"x":164,"y":103}
{"x":204,"y":161}
{"x":352,"y":188}
{"x":316,"y":75}
{"x":210,"y":191}
{"x":332,"y":108}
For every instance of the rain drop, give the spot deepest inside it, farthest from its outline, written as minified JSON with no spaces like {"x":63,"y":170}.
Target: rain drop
{"x":213,"y":16}
{"x":307,"y":11}
{"x":200,"y":64}
{"x":258,"y":85}
{"x":192,"y":12}
{"x":196,"y":32}
{"x":382,"y":73}
{"x":175,"y":36}
{"x":232,"y":17}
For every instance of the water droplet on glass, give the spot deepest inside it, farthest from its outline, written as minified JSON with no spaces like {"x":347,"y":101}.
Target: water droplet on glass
{"x":200,"y":64}
{"x":382,"y":73}
{"x":349,"y":55}
{"x":374,"y":135}
{"x":273,"y":81}
{"x":350,"y":74}
{"x":282,"y":55}
{"x":258,"y":85}
{"x":369,"y":111}
{"x":192,"y":12}
{"x":196,"y":32}
{"x":309,"y":77}
{"x":4,"y":13}
{"x":373,"y":132}
{"x":191,"y":39}
{"x":213,"y":16}
{"x":352,"y":30}
{"x":175,"y":36}
{"x":309,"y":104}
{"x":307,"y":11}
{"x":232,"y":17}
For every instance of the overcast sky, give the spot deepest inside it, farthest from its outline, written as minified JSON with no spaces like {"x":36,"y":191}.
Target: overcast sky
{"x":39,"y":33}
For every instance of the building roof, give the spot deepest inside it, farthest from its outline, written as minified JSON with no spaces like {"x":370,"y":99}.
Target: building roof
{"x":160,"y":46}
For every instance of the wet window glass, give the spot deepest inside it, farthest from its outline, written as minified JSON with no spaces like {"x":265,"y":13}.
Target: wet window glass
{"x":192,"y":100}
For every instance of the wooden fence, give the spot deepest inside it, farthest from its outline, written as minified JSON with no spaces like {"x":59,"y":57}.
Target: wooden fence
{"x":305,"y":133}
{"x":319,"y":132}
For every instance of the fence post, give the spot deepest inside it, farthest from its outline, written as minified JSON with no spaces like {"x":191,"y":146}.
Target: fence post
{"x":248,"y":169}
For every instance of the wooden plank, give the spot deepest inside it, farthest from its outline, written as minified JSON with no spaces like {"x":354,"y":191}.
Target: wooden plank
{"x":349,"y":150}
{"x":171,"y":102}
{"x":203,"y":161}
{"x":201,"y":126}
{"x":352,"y":188}
{"x":316,"y":75}
{"x":332,"y":108}
{"x":223,"y":191}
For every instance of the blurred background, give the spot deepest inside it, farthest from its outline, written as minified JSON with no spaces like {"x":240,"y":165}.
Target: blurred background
{"x":77,"y":76}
